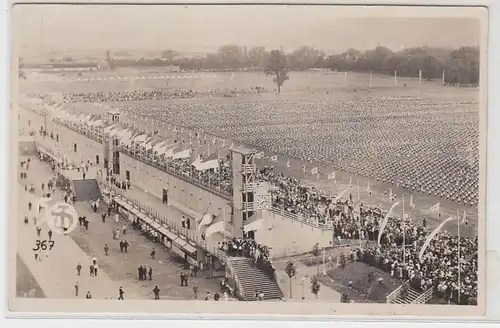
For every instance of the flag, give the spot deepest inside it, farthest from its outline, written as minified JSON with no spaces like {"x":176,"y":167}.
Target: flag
{"x":331,"y":176}
{"x":288,"y":164}
{"x":274,"y":158}
{"x":314,"y":170}
{"x":434,"y":208}
{"x":384,"y":222}
{"x":464,"y":218}
{"x":412,"y":204}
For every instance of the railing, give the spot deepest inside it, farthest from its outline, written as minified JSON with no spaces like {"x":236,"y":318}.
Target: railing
{"x":424,"y":297}
{"x":167,"y":169}
{"x":88,"y":132}
{"x":396,"y":292}
{"x":239,"y":287}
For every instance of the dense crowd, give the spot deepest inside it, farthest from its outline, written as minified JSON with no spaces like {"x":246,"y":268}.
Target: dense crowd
{"x":247,"y":247}
{"x":155,"y":94}
{"x":438,"y":268}
{"x":219,"y":179}
{"x":435,"y":165}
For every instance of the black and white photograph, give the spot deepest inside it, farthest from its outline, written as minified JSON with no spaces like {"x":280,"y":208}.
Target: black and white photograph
{"x":275,"y":157}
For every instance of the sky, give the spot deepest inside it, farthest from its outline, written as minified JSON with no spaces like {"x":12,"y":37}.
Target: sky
{"x":205,"y":28}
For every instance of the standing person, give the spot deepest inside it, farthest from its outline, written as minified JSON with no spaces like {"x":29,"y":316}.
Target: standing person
{"x":91,"y":270}
{"x":76,"y":289}
{"x":188,"y":223}
{"x":139,"y":272}
{"x":86,"y":223}
{"x":152,"y":254}
{"x":183,"y":222}
{"x":124,"y":229}
{"x":103,"y":217}
{"x":150,"y":273}
{"x":95,"y":270}
{"x":125,"y":245}
{"x":29,"y":206}
{"x":117,"y":218}
{"x":106,"y":249}
{"x":94,"y":260}
{"x":156,"y":291}
{"x":121,"y":293}
{"x":78,"y":269}
{"x":50,"y":235}
{"x":121,"y":246}
{"x":88,"y":296}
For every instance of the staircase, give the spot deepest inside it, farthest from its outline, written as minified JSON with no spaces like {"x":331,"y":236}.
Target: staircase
{"x":86,"y":190}
{"x":252,"y":279}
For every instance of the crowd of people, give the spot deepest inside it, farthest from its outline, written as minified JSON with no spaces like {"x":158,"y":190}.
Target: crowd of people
{"x":442,"y":164}
{"x":248,"y":247}
{"x":351,"y":134}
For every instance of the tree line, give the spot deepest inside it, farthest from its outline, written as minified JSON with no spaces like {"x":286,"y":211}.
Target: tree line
{"x":460,"y":65}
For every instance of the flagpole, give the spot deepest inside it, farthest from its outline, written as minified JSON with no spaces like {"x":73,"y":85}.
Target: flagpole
{"x":459,"y":265}
{"x":404,"y":232}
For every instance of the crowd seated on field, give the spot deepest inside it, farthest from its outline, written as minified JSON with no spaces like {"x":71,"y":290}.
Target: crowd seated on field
{"x":350,"y":134}
{"x":156,"y":94}
{"x":247,"y":247}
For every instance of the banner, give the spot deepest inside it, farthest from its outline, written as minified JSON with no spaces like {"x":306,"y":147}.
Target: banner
{"x":431,"y":236}
{"x":384,"y":222}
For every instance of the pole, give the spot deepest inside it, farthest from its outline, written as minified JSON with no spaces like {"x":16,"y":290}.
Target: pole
{"x":419,"y":76}
{"x":395,"y":77}
{"x":442,"y":78}
{"x":404,"y":232}
{"x":459,"y":263}
{"x":370,"y":79}
{"x":324,"y":253}
{"x":359,"y":213}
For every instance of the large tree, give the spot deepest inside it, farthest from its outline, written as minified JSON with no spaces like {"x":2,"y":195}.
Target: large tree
{"x":276,"y":67}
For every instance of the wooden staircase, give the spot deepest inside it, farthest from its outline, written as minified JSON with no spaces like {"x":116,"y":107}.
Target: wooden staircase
{"x":251,"y":280}
{"x":409,"y":298}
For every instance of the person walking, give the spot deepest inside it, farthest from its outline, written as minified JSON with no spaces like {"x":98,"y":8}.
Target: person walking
{"x":76,"y":289}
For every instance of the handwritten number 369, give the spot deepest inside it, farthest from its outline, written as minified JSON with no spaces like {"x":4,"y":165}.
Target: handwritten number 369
{"x":42,"y":245}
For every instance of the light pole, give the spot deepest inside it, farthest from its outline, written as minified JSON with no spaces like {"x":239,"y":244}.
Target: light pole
{"x":302,"y":283}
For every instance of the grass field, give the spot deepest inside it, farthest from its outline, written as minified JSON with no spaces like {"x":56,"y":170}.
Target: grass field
{"x":26,"y":285}
{"x":361,"y":291}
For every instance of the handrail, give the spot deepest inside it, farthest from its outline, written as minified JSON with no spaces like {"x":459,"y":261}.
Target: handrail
{"x":424,"y":297}
{"x":168,"y":170}
{"x":302,"y":220}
